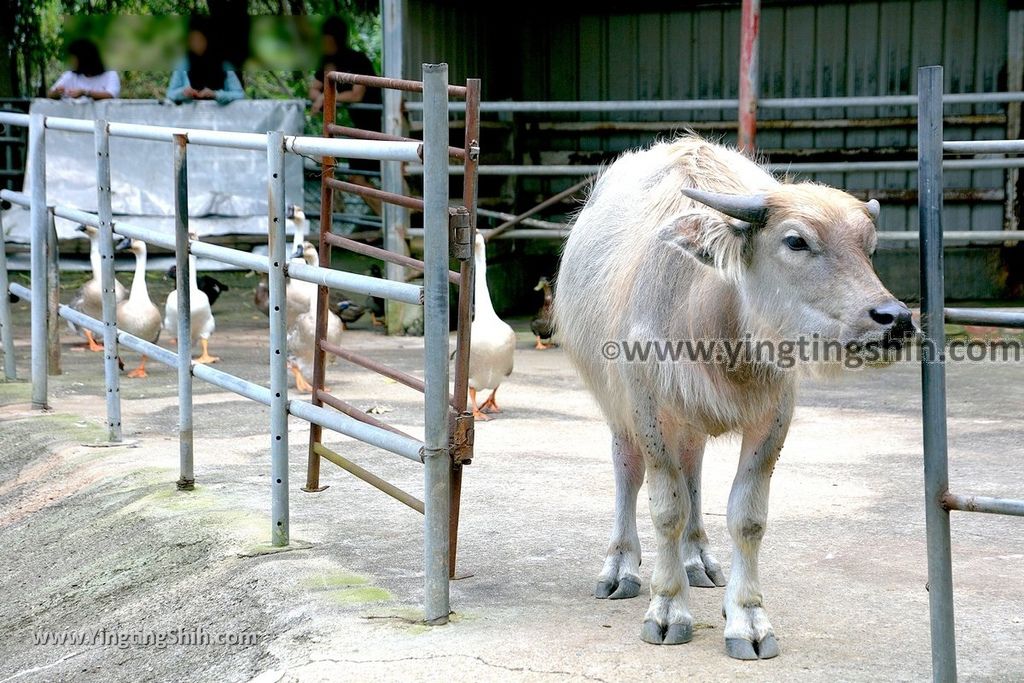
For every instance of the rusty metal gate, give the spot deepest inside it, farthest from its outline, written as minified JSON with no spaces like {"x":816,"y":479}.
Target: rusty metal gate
{"x":939,"y":500}
{"x":448,"y":233}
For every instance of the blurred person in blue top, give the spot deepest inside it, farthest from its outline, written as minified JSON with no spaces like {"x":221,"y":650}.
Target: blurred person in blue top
{"x":87,"y":76}
{"x":204,"y":74}
{"x":338,"y":55}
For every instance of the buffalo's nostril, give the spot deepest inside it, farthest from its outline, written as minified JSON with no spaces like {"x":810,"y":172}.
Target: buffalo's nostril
{"x":882,"y":316}
{"x":896,"y":318}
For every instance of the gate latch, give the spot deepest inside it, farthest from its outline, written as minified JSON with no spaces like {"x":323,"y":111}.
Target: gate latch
{"x":459,"y":234}
{"x":461,"y":445}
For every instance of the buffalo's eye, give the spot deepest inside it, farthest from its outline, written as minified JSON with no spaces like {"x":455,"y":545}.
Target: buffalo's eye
{"x":796,"y":243}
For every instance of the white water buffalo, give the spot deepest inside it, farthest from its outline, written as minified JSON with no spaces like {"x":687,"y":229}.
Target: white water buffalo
{"x":689,"y":240}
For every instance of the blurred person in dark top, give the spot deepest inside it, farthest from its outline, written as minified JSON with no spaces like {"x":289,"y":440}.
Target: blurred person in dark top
{"x":204,"y":73}
{"x":338,"y":56}
{"x":87,"y":76}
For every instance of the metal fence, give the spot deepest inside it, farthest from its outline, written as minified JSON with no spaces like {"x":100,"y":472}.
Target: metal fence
{"x":276,"y":145}
{"x":939,"y":500}
{"x":448,"y":443}
{"x":557,"y":231}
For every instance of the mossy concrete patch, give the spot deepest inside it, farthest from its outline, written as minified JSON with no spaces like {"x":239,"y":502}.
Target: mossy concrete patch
{"x":346,"y":588}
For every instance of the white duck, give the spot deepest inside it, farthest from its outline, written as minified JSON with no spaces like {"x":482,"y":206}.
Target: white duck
{"x":301,"y":294}
{"x":203,"y":323}
{"x":302,"y":343}
{"x":137,"y":314}
{"x":261,"y":295}
{"x":493,"y":342}
{"x":89,"y":299}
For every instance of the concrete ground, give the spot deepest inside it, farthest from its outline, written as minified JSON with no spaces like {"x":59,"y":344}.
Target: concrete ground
{"x":97,"y":539}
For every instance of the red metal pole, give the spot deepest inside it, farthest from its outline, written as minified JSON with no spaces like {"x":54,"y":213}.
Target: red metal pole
{"x":750,"y":26}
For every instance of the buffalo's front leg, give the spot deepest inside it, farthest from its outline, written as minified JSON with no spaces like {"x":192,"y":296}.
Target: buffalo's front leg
{"x":620,"y":576}
{"x":702,"y":569}
{"x":668,"y":619}
{"x":748,"y":633}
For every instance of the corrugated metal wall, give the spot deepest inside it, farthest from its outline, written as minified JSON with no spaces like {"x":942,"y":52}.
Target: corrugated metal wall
{"x":531,"y":52}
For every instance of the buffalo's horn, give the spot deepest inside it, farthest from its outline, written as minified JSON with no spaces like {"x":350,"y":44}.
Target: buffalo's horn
{"x":751,"y":208}
{"x":873,"y":208}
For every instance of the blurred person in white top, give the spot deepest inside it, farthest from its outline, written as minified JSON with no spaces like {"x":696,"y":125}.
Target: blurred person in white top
{"x":87,"y":76}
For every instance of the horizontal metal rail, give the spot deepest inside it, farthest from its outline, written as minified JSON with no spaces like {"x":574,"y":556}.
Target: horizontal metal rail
{"x":389,"y":83}
{"x":983,"y":147}
{"x":364,"y":134}
{"x":390,"y":197}
{"x":531,"y":222}
{"x":957,"y":235}
{"x":296,"y":144}
{"x":984,"y":317}
{"x":370,"y":478}
{"x":353,"y":412}
{"x":557,"y":231}
{"x":351,"y":282}
{"x":698,"y":105}
{"x":382,"y":254}
{"x":401,"y":445}
{"x":995,"y":506}
{"x":796,"y":167}
{"x":373,"y":365}
{"x":360,"y":284}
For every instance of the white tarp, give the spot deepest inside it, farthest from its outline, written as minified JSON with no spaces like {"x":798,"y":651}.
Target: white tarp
{"x":227,"y":187}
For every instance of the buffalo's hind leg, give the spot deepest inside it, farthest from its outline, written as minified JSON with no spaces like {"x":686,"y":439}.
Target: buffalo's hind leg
{"x":748,"y":633}
{"x":620,"y":576}
{"x":702,"y":569}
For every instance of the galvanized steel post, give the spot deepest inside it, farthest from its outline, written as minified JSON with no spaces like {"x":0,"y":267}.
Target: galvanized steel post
{"x":933,"y":373}
{"x":278,"y":341}
{"x":750,"y":27}
{"x":436,"y":460}
{"x":52,"y":295}
{"x":187,"y":479}
{"x":39,"y":218}
{"x":106,"y":241}
{"x":6,"y":329}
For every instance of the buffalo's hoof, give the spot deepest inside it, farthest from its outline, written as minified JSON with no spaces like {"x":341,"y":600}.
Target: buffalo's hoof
{"x":673,"y":634}
{"x":626,"y":587}
{"x":738,"y":648}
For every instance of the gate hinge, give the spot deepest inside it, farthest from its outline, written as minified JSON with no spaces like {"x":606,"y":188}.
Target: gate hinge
{"x":460,"y":233}
{"x":462,"y":434}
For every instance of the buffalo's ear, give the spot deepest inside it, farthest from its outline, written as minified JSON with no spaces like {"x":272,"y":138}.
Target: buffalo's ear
{"x":722,"y":244}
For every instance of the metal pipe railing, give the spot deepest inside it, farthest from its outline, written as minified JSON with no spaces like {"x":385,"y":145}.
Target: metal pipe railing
{"x":37,"y":170}
{"x":437,"y":473}
{"x":933,"y":375}
{"x":278,"y":259}
{"x":183,"y":293}
{"x":796,"y":167}
{"x":6,"y":328}
{"x":257,"y":142}
{"x":994,"y":506}
{"x":382,"y":254}
{"x":703,"y":105}
{"x":370,"y":478}
{"x":352,"y":282}
{"x":981,"y":316}
{"x":111,"y":372}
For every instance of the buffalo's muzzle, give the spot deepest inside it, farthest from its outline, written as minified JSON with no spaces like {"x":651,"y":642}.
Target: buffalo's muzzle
{"x":895,"y":317}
